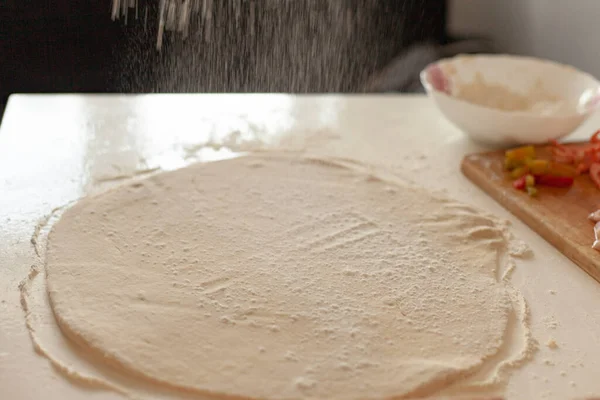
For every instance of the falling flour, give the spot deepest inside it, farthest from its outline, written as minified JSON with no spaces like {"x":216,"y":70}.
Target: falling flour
{"x":295,"y":46}
{"x":274,"y":276}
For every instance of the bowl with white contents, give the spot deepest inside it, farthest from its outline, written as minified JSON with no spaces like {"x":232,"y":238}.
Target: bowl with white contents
{"x":506,"y":100}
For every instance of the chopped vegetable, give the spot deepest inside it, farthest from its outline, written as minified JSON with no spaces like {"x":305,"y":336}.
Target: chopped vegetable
{"x":520,"y":183}
{"x":518,"y":157}
{"x":554,"y":181}
{"x":538,"y":167}
{"x":521,"y":153}
{"x":557,"y":169}
{"x":580,"y":156}
{"x":512,"y":163}
{"x":585,"y":158}
{"x":529,"y":181}
{"x":595,"y":174}
{"x":519,"y":172}
{"x":526,"y":183}
{"x":563,"y":154}
{"x":567,"y":162}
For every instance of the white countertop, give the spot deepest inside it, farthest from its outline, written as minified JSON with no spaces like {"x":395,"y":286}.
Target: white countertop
{"x":56,"y":148}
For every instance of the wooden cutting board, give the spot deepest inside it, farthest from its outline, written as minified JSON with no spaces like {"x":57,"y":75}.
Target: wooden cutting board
{"x":559,"y":215}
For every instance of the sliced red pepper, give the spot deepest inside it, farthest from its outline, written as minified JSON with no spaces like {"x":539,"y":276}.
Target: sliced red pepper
{"x":554,"y":181}
{"x":521,"y":183}
{"x":595,"y":174}
{"x":595,"y":137}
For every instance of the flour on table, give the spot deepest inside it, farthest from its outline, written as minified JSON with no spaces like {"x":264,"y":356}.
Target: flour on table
{"x":551,"y":322}
{"x":274,"y":276}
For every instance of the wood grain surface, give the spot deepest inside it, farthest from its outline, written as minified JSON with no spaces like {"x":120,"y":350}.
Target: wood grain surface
{"x":559,"y":215}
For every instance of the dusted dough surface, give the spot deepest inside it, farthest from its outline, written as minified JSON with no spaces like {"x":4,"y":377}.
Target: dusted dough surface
{"x":281,"y":277}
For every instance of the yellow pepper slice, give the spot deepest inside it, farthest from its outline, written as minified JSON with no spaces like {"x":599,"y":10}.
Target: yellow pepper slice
{"x":521,"y":153}
{"x":519,"y":172}
{"x":538,"y":167}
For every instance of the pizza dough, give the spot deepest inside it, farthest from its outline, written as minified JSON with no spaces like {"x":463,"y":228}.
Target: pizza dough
{"x":275,"y":277}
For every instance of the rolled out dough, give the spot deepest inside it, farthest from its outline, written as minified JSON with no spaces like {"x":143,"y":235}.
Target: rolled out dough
{"x":277,"y":277}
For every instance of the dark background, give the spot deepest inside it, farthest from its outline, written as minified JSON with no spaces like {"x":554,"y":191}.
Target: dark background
{"x":74,"y":46}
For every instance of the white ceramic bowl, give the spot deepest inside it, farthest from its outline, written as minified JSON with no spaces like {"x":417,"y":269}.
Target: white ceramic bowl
{"x":575,"y":95}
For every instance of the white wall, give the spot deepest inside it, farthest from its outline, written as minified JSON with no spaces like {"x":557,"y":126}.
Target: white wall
{"x":561,"y":30}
